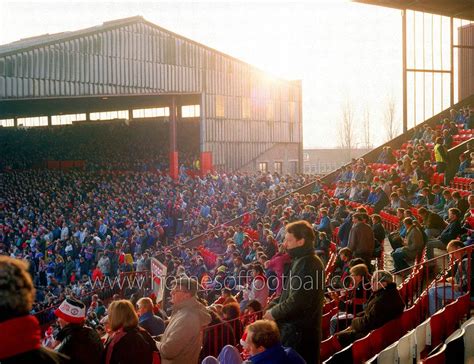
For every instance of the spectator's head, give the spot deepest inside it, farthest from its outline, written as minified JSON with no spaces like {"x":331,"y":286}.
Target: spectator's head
{"x":454,"y":214}
{"x":144,"y":305}
{"x":262,"y":335}
{"x":345,"y":254}
{"x":299,"y":234}
{"x":183,"y":289}
{"x":358,"y":272}
{"x":16,"y":289}
{"x":376,"y":219}
{"x":408,"y":221}
{"x":71,"y":311}
{"x":252,"y":307}
{"x":356,"y":261}
{"x":423,"y":212}
{"x":380,"y":279}
{"x":122,"y":315}
{"x":453,"y":249}
{"x":231,"y":311}
{"x":357,"y":217}
{"x":470,"y":200}
{"x":400,"y":212}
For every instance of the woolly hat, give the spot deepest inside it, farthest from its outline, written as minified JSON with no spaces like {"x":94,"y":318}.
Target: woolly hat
{"x":72,"y":311}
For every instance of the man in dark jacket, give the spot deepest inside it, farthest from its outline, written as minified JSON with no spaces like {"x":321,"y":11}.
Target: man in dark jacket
{"x":432,"y":222}
{"x":361,"y":239}
{"x":298,"y":310}
{"x":20,"y":333}
{"x":451,"y":232}
{"x":81,"y":343}
{"x":384,"y":305}
{"x":381,"y":199}
{"x":151,"y":323}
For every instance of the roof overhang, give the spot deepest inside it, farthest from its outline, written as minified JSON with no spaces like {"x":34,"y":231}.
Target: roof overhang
{"x":462,"y":9}
{"x":10,"y":108}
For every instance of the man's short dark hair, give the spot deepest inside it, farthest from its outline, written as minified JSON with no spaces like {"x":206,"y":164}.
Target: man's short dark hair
{"x":456,"y":212}
{"x":302,"y":230}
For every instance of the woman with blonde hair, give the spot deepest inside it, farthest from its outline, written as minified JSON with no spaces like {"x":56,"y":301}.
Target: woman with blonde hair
{"x":127,"y":343}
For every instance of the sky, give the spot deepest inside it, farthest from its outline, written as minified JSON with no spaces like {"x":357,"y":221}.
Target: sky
{"x":343,"y":52}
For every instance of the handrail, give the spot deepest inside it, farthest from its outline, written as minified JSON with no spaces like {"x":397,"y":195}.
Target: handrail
{"x":453,"y":154}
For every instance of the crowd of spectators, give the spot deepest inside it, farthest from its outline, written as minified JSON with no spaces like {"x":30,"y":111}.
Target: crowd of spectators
{"x":113,"y":145}
{"x":79,"y":226}
{"x":76,"y":224}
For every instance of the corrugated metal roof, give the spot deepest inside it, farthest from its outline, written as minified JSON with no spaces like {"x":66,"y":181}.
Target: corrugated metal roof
{"x":41,"y":40}
{"x":462,"y":9}
{"x":27,"y":44}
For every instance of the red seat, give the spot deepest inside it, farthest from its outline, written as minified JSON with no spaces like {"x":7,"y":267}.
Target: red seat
{"x":437,"y":358}
{"x":409,"y":319}
{"x":329,"y":347}
{"x":391,"y":331}
{"x":438,"y":328}
{"x":362,"y":350}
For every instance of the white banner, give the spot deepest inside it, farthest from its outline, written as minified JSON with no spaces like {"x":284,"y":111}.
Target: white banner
{"x":158,"y":278}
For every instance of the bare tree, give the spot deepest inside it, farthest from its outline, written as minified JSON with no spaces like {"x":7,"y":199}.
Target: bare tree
{"x":391,"y":122}
{"x":346,"y":129}
{"x":366,"y":126}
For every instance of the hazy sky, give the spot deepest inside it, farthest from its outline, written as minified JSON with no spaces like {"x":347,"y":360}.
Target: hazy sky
{"x":341,"y":50}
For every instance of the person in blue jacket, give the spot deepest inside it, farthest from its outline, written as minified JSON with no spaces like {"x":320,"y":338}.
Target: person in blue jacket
{"x":263,"y":343}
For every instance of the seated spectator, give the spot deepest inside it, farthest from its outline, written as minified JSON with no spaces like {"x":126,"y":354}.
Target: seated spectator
{"x":322,"y":246}
{"x":433,"y":224}
{"x":396,"y":203}
{"x":342,"y":268}
{"x":464,"y":163}
{"x":147,"y":320}
{"x":263,"y":343}
{"x":460,"y":202}
{"x":438,"y":200}
{"x":74,"y":336}
{"x":453,"y":286}
{"x":413,"y":243}
{"x":324,"y":222}
{"x":384,"y":305}
{"x":128,"y":342}
{"x":352,"y":303}
{"x":396,"y":237}
{"x":449,"y":203}
{"x":451,"y":232}
{"x":20,"y":332}
{"x":216,"y":336}
{"x":231,"y":314}
{"x":381,"y":199}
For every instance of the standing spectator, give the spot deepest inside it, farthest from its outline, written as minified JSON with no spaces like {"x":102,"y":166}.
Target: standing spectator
{"x":147,"y":320}
{"x":278,"y":264}
{"x":79,"y":342}
{"x":298,"y":310}
{"x":182,"y":339}
{"x":20,"y":332}
{"x":361,"y":239}
{"x":441,"y":157}
{"x":128,"y":343}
